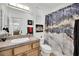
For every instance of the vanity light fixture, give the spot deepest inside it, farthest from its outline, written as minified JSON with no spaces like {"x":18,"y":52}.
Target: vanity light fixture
{"x":13,"y":4}
{"x":19,"y":6}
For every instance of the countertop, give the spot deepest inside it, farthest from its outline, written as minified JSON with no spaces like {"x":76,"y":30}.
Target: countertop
{"x":8,"y":44}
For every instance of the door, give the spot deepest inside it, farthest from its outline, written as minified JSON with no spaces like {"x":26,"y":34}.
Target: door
{"x":76,"y":38}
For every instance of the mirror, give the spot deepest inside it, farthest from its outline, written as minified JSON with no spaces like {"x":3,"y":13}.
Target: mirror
{"x":18,"y":26}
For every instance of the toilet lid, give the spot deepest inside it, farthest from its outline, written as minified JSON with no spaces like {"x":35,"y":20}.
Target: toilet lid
{"x":46,"y":47}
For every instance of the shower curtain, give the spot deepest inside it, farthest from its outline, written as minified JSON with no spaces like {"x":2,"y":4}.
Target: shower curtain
{"x":60,"y":26}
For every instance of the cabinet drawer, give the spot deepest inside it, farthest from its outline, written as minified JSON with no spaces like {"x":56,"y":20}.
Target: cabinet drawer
{"x":35,"y":44}
{"x":22,"y":49}
{"x":6,"y":53}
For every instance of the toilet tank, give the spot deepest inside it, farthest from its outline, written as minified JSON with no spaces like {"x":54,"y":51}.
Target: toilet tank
{"x":42,"y":40}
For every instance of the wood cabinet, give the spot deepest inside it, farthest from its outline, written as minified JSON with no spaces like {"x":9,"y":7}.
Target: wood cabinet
{"x":31,"y":49}
{"x":19,"y":50}
{"x":6,"y":53}
{"x":22,"y":49}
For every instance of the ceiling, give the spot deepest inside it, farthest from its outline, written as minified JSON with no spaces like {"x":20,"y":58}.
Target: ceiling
{"x":49,"y":7}
{"x":45,"y":5}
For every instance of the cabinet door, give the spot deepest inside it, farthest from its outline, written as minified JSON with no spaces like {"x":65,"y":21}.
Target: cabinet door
{"x":22,"y":49}
{"x":19,"y":50}
{"x":6,"y":53}
{"x":36,"y":44}
{"x":28,"y":47}
{"x":33,"y":52}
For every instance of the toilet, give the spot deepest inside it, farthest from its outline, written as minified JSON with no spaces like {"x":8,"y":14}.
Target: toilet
{"x":45,"y":49}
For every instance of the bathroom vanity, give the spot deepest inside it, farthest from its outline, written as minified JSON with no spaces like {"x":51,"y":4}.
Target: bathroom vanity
{"x":29,"y":48}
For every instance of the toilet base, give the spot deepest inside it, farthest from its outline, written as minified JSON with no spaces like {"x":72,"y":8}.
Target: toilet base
{"x":45,"y":54}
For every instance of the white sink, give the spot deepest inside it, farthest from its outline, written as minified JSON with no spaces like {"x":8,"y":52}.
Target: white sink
{"x":20,"y":40}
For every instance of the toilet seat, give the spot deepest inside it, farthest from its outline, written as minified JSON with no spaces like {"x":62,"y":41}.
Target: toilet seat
{"x":46,"y":48}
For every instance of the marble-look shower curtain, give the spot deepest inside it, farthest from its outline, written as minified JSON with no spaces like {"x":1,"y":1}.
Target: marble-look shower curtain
{"x":60,"y":26}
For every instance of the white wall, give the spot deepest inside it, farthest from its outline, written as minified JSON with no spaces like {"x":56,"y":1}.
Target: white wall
{"x":40,"y":19}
